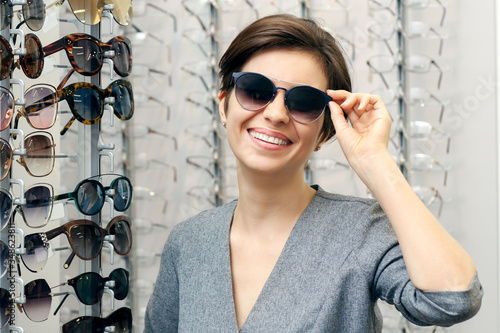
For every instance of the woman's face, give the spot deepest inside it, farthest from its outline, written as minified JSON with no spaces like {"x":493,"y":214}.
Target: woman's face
{"x":269,"y":140}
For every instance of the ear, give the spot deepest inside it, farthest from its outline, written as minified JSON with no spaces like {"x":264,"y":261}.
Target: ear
{"x":222,"y":104}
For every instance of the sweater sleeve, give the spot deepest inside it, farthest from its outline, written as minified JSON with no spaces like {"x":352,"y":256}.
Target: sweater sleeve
{"x":443,"y":308}
{"x":162,"y":312}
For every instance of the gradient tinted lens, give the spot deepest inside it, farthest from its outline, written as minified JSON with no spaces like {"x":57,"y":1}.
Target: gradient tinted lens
{"x":38,"y":300}
{"x":121,"y":319}
{"x":34,"y":14}
{"x":5,"y":158}
{"x":89,"y":287}
{"x":38,"y":207}
{"x":121,"y":60}
{"x":39,"y":156}
{"x":254,"y":91}
{"x":6,"y":108}
{"x":123,"y":237}
{"x":41,"y":106}
{"x":88,"y":104}
{"x":120,"y":276}
{"x":5,"y":14}
{"x":123,"y":193}
{"x":122,"y":11}
{"x":90,"y":197}
{"x":305,"y":104}
{"x":86,"y":240}
{"x":6,"y":205}
{"x":123,"y":101}
{"x":5,"y":307}
{"x":32,"y":62}
{"x":87,"y":55}
{"x":4,"y":258}
{"x":37,"y":252}
{"x":87,"y":12}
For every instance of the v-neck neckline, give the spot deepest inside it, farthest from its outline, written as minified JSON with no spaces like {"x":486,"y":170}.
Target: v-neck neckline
{"x":277,"y":265}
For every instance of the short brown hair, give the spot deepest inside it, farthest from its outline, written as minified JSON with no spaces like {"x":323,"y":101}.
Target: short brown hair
{"x":283,"y":31}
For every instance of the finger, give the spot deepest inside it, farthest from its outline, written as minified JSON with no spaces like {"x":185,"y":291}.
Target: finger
{"x":338,"y":96}
{"x":337,"y":115}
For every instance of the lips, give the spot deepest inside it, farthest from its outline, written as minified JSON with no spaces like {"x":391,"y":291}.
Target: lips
{"x":269,"y":139}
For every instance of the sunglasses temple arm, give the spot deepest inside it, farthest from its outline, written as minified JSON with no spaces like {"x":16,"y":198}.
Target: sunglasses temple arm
{"x":62,"y":301}
{"x":68,"y":125}
{"x":54,"y":47}
{"x":68,"y":261}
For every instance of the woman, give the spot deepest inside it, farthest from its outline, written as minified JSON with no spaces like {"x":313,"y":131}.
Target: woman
{"x":288,"y":257}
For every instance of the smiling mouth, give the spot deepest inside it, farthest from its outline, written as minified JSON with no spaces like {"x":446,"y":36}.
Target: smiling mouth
{"x":269,"y":139}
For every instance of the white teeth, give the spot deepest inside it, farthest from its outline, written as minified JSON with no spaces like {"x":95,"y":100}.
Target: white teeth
{"x":270,"y":139}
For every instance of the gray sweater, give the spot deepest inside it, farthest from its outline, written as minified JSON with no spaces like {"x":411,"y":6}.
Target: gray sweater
{"x":341,"y":256}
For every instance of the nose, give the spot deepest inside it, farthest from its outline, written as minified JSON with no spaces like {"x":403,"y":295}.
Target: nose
{"x":276,"y":111}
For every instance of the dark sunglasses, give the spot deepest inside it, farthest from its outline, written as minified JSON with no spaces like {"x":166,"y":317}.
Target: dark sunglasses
{"x":39,"y":158}
{"x":89,"y":287}
{"x":86,"y":53}
{"x":31,"y":63}
{"x":255,"y":91}
{"x":36,"y":211}
{"x":4,"y":258}
{"x":120,"y":319}
{"x":33,"y":13}
{"x":86,"y":240}
{"x":38,"y":299}
{"x":89,"y":195}
{"x":90,"y":12}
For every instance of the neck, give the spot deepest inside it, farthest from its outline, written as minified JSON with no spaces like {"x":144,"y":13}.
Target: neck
{"x":271,"y":202}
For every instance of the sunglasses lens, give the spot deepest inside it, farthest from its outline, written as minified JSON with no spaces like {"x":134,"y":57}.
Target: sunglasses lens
{"x":5,"y":14}
{"x":4,"y":258}
{"x":6,"y":108}
{"x":121,"y":60}
{"x":122,"y":11}
{"x":5,"y":158}
{"x":254,"y":91}
{"x":86,"y":241}
{"x":87,"y":55}
{"x":123,"y":237}
{"x":32,"y":62}
{"x":39,"y":157}
{"x":89,"y":288}
{"x":6,"y":58}
{"x":37,"y":252}
{"x":5,"y":307}
{"x":6,"y":205}
{"x":38,"y":207}
{"x":34,"y":14}
{"x":38,"y":300}
{"x":85,"y":324}
{"x":88,"y":104}
{"x":305,"y":104}
{"x":121,"y":319}
{"x":123,"y":193}
{"x":90,"y":197}
{"x":123,"y":101}
{"x":41,"y":106}
{"x":120,"y":276}
{"x":87,"y":12}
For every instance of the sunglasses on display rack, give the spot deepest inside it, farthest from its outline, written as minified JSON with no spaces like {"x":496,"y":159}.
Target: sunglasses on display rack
{"x":39,"y":158}
{"x":120,"y":319}
{"x":255,"y":91}
{"x":89,"y":287}
{"x":89,"y":195}
{"x":91,"y":12}
{"x":33,"y":13}
{"x":37,"y":210}
{"x":39,"y":99}
{"x":4,"y":259}
{"x":86,"y":239}
{"x":86,"y":102}
{"x":36,"y":307}
{"x":7,"y":104}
